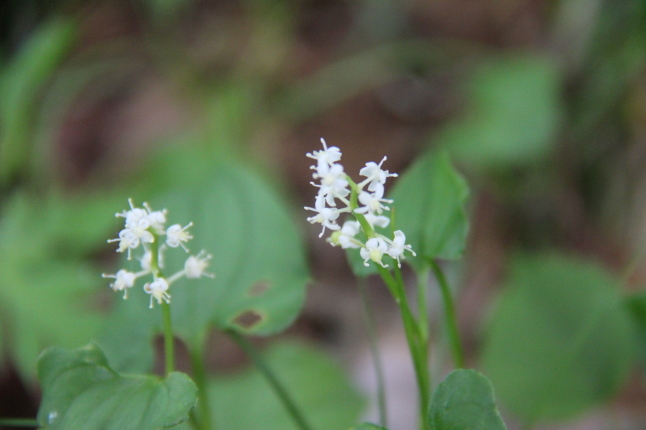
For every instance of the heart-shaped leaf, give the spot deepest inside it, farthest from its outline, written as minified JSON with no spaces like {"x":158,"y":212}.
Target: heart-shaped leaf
{"x":464,"y":401}
{"x":81,"y":391}
{"x":561,"y":339}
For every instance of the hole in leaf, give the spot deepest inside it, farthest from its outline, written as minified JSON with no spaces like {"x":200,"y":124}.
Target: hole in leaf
{"x":258,"y":289}
{"x":248,"y":319}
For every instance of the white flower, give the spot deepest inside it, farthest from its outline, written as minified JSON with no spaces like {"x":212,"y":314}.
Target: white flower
{"x":373,"y":203}
{"x":176,"y":234}
{"x":157,"y":219}
{"x":195,"y":265}
{"x":157,"y":290}
{"x":127,"y":240}
{"x":146,"y":259}
{"x":375,"y":176}
{"x":333,"y":183}
{"x":324,"y":158}
{"x":133,"y":216}
{"x":122,"y":281}
{"x":398,"y":246}
{"x":345,"y":236}
{"x":325,"y":216}
{"x":374,"y":250}
{"x":377,"y":220}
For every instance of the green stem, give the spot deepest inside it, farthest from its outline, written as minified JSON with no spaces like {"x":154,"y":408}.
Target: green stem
{"x":422,"y":304}
{"x":18,"y":422}
{"x":199,"y":376}
{"x":374,"y":352}
{"x":417,"y":348}
{"x":169,"y":344}
{"x":449,"y":315}
{"x":275,"y":384}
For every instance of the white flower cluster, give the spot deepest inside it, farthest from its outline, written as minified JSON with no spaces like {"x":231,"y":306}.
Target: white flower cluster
{"x":334,"y":186}
{"x":143,"y":226}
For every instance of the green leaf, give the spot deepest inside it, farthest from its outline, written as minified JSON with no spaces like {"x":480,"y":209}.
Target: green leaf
{"x":513,"y":117}
{"x":636,"y":305}
{"x":81,"y":391}
{"x":20,"y":84}
{"x":258,"y":257}
{"x":464,"y":401}
{"x":318,"y":386}
{"x":46,"y":290}
{"x":560,"y":339}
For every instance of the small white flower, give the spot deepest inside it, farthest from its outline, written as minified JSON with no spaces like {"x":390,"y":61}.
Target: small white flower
{"x":127,"y":240}
{"x":374,"y":250}
{"x":324,"y":158}
{"x":373,"y":203}
{"x":325,"y":216}
{"x":333,"y":183}
{"x":157,"y":219}
{"x":345,"y":236}
{"x":377,"y":220}
{"x":375,"y":176}
{"x":133,"y":215}
{"x":157,"y":290}
{"x":398,"y":246}
{"x":176,"y":235}
{"x":122,"y":281}
{"x":195,"y":265}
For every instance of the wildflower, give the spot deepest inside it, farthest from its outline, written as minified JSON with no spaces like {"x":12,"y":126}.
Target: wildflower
{"x":325,"y":216}
{"x":374,"y":250}
{"x":398,"y":246}
{"x":345,"y":236}
{"x":377,"y":220}
{"x":328,"y":156}
{"x":375,"y":176}
{"x":373,"y":203}
{"x":157,"y":219}
{"x":195,"y":265}
{"x":157,"y":290}
{"x":176,"y":234}
{"x":123,"y":281}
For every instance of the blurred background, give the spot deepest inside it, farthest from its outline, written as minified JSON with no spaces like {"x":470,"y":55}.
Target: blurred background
{"x":542,"y":105}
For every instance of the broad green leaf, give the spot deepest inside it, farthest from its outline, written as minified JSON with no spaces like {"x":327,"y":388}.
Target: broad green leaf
{"x":20,"y":84}
{"x":45,"y":289}
{"x":429,"y":207}
{"x":464,"y":401}
{"x":81,"y":391}
{"x":637,"y":307}
{"x":560,"y":340}
{"x":430,"y":200}
{"x":258,"y":259}
{"x":513,"y":114}
{"x":318,"y":386}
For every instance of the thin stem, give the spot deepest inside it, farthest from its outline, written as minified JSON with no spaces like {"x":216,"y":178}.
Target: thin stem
{"x":418,"y":350}
{"x":422,"y":304}
{"x":169,"y":344}
{"x":374,"y":352}
{"x":449,"y":315}
{"x":271,"y":378}
{"x":199,"y":376}
{"x":18,"y":422}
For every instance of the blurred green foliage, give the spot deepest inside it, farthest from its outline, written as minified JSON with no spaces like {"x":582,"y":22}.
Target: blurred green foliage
{"x":560,"y":339}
